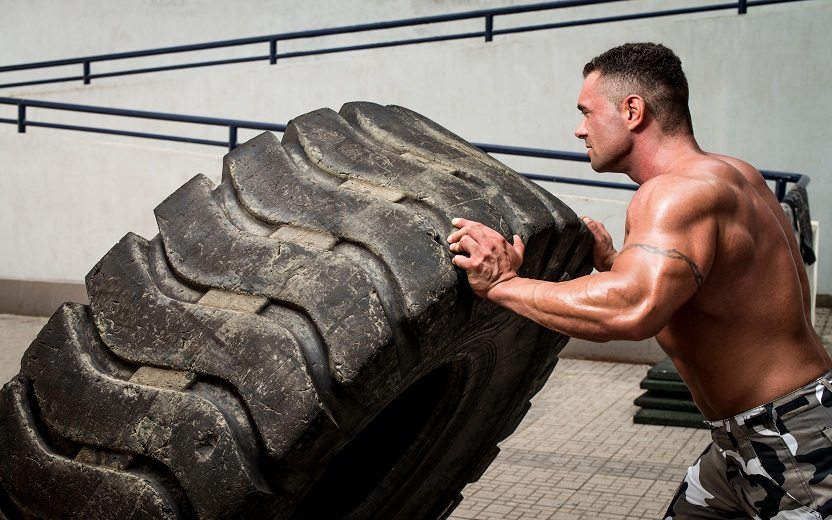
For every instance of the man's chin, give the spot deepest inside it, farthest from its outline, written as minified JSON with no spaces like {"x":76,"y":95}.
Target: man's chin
{"x":598,"y":167}
{"x":604,"y":167}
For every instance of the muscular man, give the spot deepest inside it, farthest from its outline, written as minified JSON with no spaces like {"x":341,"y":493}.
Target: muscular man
{"x":710,"y":267}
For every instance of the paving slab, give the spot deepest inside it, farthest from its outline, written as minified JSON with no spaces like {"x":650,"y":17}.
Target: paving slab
{"x":577,"y":454}
{"x":16,"y":333}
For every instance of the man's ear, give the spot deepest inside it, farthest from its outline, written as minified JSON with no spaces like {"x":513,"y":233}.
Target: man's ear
{"x":634,"y":109}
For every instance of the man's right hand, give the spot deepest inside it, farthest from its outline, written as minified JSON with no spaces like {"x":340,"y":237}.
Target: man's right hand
{"x":487,"y":258}
{"x":603,"y":253}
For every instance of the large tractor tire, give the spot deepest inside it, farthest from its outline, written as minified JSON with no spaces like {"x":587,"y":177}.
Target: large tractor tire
{"x":295,"y":343}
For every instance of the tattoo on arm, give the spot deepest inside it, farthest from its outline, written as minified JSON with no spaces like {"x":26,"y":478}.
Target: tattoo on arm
{"x":676,"y":255}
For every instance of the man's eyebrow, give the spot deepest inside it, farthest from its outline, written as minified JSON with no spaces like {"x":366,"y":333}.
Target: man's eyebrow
{"x":581,"y":108}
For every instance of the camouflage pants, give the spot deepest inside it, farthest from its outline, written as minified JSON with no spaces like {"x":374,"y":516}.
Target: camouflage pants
{"x":772,"y":462}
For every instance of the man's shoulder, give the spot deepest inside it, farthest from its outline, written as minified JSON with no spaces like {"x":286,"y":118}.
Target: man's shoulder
{"x":746,"y":170}
{"x":738,"y":164}
{"x":701,"y":187}
{"x":702,"y":178}
{"x":702,"y":174}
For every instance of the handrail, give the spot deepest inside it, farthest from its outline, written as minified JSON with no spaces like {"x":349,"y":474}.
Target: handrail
{"x":232,"y":124}
{"x":781,"y":179}
{"x":488,"y":33}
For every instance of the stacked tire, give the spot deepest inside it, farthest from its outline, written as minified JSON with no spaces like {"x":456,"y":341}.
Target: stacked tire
{"x":295,"y":343}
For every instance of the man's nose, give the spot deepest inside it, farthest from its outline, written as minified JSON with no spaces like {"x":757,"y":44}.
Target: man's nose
{"x":580,"y":132}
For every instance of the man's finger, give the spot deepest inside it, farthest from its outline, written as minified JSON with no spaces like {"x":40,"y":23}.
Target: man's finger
{"x":467,"y":244}
{"x":466,"y":227}
{"x":519,"y":246}
{"x":596,"y":228}
{"x":456,"y":235}
{"x":458,"y":247}
{"x":463,"y":244}
{"x":461,"y":222}
{"x":461,"y":261}
{"x":591,"y":224}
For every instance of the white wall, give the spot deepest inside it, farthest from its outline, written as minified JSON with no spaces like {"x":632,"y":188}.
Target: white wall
{"x":760,"y":91}
{"x":58,"y":219}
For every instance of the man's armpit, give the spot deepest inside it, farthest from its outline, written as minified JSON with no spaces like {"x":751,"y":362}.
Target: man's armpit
{"x":674,"y":254}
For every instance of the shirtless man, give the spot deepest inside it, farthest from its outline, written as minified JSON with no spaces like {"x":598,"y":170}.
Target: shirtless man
{"x":711,"y":268}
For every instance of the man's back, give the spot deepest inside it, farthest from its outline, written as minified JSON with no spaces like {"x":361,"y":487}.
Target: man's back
{"x":744,"y":338}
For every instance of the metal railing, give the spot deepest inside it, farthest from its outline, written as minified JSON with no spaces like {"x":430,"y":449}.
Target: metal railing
{"x":780,"y":179}
{"x":233,"y":125}
{"x":273,"y":56}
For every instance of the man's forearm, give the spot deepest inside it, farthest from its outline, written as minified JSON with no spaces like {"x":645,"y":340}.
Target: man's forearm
{"x":600,"y":307}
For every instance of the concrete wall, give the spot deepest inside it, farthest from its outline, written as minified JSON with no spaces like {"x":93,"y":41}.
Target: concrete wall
{"x":759,"y":88}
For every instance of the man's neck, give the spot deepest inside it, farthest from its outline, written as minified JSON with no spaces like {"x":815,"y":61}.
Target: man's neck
{"x":653,"y":156}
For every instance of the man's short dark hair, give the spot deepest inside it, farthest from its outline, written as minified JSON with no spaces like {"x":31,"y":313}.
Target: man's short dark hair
{"x":652,"y":71}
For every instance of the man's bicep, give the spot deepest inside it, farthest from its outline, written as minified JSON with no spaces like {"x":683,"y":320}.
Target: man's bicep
{"x":673,"y":244}
{"x":672,"y":254}
{"x":663,"y":277}
{"x":676,"y":229}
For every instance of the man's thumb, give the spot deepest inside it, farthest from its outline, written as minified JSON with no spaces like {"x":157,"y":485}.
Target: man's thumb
{"x":519,"y":246}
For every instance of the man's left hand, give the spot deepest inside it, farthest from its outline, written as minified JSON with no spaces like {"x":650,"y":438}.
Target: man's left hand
{"x":490,"y":259}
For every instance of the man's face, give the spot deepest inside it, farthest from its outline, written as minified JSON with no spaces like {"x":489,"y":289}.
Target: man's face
{"x":603,"y":127}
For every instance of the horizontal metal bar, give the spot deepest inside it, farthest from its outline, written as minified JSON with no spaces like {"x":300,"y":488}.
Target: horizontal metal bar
{"x":163,"y":68}
{"x":757,"y":3}
{"x":229,"y":61}
{"x":582,"y":157}
{"x":41,"y":81}
{"x":780,"y":178}
{"x":462,"y":16}
{"x":392,"y":24}
{"x":162,"y":137}
{"x":532,"y":152}
{"x":442,"y":18}
{"x":619,"y":18}
{"x":379,"y":45}
{"x":141,"y":114}
{"x":786,"y":176}
{"x":581,"y":182}
{"x":294,"y":54}
{"x":247,"y":59}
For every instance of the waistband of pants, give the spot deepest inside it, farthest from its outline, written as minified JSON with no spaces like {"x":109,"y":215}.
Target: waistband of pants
{"x":780,"y":406}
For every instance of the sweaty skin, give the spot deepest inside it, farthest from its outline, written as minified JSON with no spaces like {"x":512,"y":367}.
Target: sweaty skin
{"x":709,"y":265}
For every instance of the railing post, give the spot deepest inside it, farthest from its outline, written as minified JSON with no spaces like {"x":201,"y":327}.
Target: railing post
{"x":21,"y":118}
{"x":272,"y":52}
{"x":489,"y":27}
{"x":742,"y":6}
{"x":86,"y":73}
{"x":232,"y":137}
{"x":780,"y":188}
